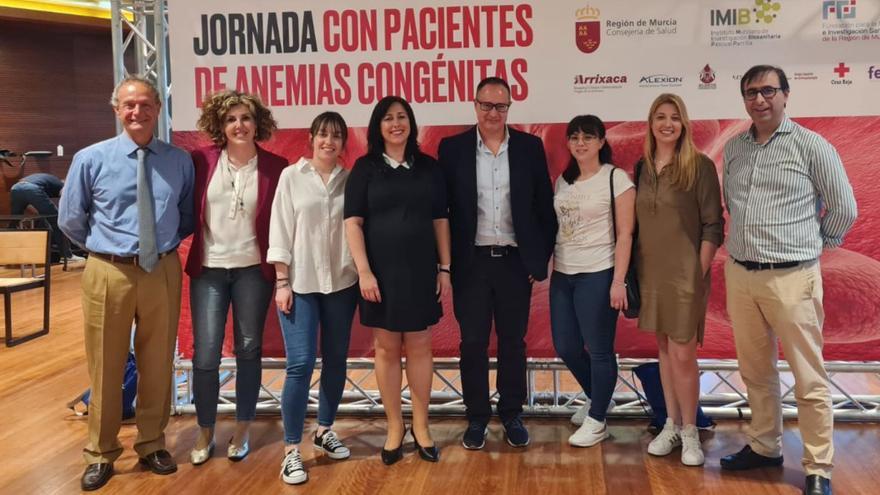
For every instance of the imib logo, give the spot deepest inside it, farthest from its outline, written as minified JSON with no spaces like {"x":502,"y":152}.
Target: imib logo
{"x":764,"y":12}
{"x":587,"y":29}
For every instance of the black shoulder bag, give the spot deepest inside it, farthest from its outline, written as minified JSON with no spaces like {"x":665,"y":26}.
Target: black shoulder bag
{"x":633,"y":298}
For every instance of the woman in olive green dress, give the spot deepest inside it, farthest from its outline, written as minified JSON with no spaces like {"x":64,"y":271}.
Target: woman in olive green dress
{"x":678,"y":207}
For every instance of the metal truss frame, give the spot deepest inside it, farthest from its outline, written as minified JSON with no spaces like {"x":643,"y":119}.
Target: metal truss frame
{"x":546,"y":397}
{"x":139,"y":28}
{"x":140,"y":35}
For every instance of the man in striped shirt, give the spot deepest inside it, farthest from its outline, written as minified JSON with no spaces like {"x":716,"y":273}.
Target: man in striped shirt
{"x":789,"y":198}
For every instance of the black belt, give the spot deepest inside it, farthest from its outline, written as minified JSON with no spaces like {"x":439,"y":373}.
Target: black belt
{"x":756,"y":265}
{"x":125,"y":260}
{"x":496,"y":251}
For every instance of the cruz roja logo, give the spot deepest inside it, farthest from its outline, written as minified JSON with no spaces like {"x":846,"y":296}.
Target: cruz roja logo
{"x":841,"y":70}
{"x":840,"y":9}
{"x":764,"y":12}
{"x":587,"y":29}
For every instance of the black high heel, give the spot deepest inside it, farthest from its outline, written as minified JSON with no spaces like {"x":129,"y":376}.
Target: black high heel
{"x":389,"y":457}
{"x":430,"y":454}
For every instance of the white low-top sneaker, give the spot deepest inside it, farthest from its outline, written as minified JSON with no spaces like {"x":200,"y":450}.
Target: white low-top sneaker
{"x":691,"y":450}
{"x":666,"y":441}
{"x":578,"y":418}
{"x":590,"y":433}
{"x":331,"y":445}
{"x":292,"y":470}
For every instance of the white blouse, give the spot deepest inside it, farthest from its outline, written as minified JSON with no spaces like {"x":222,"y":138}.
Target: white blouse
{"x":229,"y":231}
{"x":306,"y":231}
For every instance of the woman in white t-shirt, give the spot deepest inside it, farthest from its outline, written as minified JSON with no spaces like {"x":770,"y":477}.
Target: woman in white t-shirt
{"x":587,"y":287}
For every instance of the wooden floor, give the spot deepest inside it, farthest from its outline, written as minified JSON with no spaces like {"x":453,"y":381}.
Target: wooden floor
{"x":41,"y":444}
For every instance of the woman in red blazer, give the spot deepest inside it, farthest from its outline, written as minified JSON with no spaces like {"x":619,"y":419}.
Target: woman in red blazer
{"x":235,"y":182}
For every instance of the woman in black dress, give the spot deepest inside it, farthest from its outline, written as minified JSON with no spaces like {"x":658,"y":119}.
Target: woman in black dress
{"x":398,"y":233}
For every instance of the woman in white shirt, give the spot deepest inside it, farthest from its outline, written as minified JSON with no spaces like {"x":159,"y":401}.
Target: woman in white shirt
{"x":587,"y":288}
{"x":317,"y":287}
{"x":234,"y":184}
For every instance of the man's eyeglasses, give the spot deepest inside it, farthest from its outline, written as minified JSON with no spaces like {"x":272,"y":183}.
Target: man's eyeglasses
{"x":767,"y":92}
{"x":487,"y":106}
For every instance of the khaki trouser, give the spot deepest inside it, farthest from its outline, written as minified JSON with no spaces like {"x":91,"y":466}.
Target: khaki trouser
{"x":786,"y":303}
{"x":114,"y":295}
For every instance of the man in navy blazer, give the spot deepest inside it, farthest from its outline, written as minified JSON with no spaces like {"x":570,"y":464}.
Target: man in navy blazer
{"x":503,"y":229}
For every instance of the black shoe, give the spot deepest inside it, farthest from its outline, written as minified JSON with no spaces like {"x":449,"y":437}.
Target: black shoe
{"x":748,"y":459}
{"x":96,"y":476}
{"x":430,"y":454}
{"x":516,"y":433}
{"x":474,"y":437}
{"x":817,"y":485}
{"x":159,"y":462}
{"x":389,"y":457}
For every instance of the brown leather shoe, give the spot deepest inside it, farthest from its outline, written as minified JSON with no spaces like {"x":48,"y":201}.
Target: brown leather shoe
{"x":96,"y":476}
{"x":160,"y":462}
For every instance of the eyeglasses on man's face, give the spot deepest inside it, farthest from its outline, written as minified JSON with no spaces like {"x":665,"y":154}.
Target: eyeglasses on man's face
{"x":767,"y":92}
{"x":488,"y":106}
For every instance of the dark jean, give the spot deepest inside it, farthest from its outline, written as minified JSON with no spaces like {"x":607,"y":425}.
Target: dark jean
{"x":581,"y":313}
{"x":24,"y":194}
{"x":210,"y":295}
{"x":333,"y":313}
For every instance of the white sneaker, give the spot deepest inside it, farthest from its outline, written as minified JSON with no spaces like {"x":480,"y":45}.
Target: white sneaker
{"x":590,"y":433}
{"x":578,"y":418}
{"x":667,"y":440}
{"x":331,"y":445}
{"x":691,"y":450}
{"x":292,"y":470}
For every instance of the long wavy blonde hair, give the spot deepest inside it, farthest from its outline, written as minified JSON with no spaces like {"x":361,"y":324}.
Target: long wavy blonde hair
{"x":683,"y":168}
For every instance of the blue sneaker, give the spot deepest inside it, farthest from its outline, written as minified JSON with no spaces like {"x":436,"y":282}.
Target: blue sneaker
{"x":516,"y":433}
{"x":475,"y":436}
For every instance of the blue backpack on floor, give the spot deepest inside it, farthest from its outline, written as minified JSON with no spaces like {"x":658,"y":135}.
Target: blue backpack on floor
{"x":649,"y":375}
{"x":129,"y":391}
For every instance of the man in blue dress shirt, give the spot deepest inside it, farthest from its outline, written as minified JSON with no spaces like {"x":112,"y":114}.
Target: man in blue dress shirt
{"x":128,"y":202}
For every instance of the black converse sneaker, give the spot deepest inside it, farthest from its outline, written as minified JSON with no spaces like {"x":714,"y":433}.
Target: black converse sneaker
{"x":292,"y":470}
{"x":331,"y":445}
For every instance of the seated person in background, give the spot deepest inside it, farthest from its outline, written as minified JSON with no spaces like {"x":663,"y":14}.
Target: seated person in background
{"x":37,"y":191}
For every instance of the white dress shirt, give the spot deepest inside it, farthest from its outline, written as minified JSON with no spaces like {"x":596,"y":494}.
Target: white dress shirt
{"x":229,"y":229}
{"x":306,"y":231}
{"x":494,"y":216}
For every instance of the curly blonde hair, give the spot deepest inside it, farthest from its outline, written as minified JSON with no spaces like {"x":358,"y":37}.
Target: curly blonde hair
{"x":216,"y":106}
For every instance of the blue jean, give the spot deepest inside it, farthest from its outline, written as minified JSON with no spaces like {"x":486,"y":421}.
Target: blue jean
{"x":333,"y":312}
{"x":581,"y":313}
{"x":210,"y":295}
{"x":24,"y":194}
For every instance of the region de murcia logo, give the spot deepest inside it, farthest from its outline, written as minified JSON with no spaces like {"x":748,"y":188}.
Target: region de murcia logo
{"x":707,"y":78}
{"x":840,"y":9}
{"x":587,"y":29}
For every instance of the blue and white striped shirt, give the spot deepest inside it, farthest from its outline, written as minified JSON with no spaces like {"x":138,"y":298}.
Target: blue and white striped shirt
{"x":787,"y":198}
